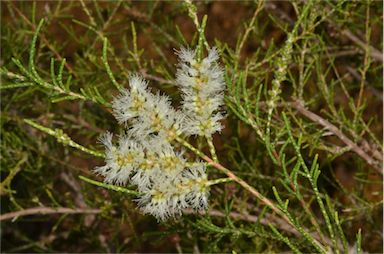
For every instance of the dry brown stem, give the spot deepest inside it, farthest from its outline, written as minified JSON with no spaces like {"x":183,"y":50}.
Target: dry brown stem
{"x":47,"y":210}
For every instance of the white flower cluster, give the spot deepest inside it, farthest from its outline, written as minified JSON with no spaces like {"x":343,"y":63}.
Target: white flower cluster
{"x":145,"y":155}
{"x":202,"y":85}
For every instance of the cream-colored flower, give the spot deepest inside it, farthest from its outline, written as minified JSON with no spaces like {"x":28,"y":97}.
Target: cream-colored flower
{"x":202,"y":85}
{"x":146,"y":156}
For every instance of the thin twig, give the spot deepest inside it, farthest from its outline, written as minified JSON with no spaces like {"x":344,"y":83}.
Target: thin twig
{"x":44,"y":39}
{"x":354,"y":147}
{"x":250,"y":27}
{"x":366,"y":64}
{"x":375,"y":53}
{"x":5,"y":184}
{"x":46,"y":210}
{"x":376,"y":92}
{"x":85,"y":9}
{"x":110,"y":186}
{"x":63,"y":138}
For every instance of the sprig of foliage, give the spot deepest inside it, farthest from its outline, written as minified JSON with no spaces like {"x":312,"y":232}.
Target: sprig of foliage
{"x":282,"y":189}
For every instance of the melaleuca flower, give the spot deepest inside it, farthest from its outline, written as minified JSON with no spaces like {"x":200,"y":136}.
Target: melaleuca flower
{"x":168,"y":160}
{"x":169,"y":196}
{"x":121,"y":160}
{"x":145,"y":156}
{"x":159,"y":160}
{"x":196,"y":179}
{"x":148,"y":113}
{"x":166,"y":184}
{"x":160,"y":200}
{"x":202,"y":85}
{"x":131,"y":102}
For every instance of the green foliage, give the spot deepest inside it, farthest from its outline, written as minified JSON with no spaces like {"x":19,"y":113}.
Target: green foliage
{"x":301,"y":148}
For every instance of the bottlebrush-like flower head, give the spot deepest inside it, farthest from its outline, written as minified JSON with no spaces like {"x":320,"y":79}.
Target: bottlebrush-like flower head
{"x":147,"y":112}
{"x":202,"y":85}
